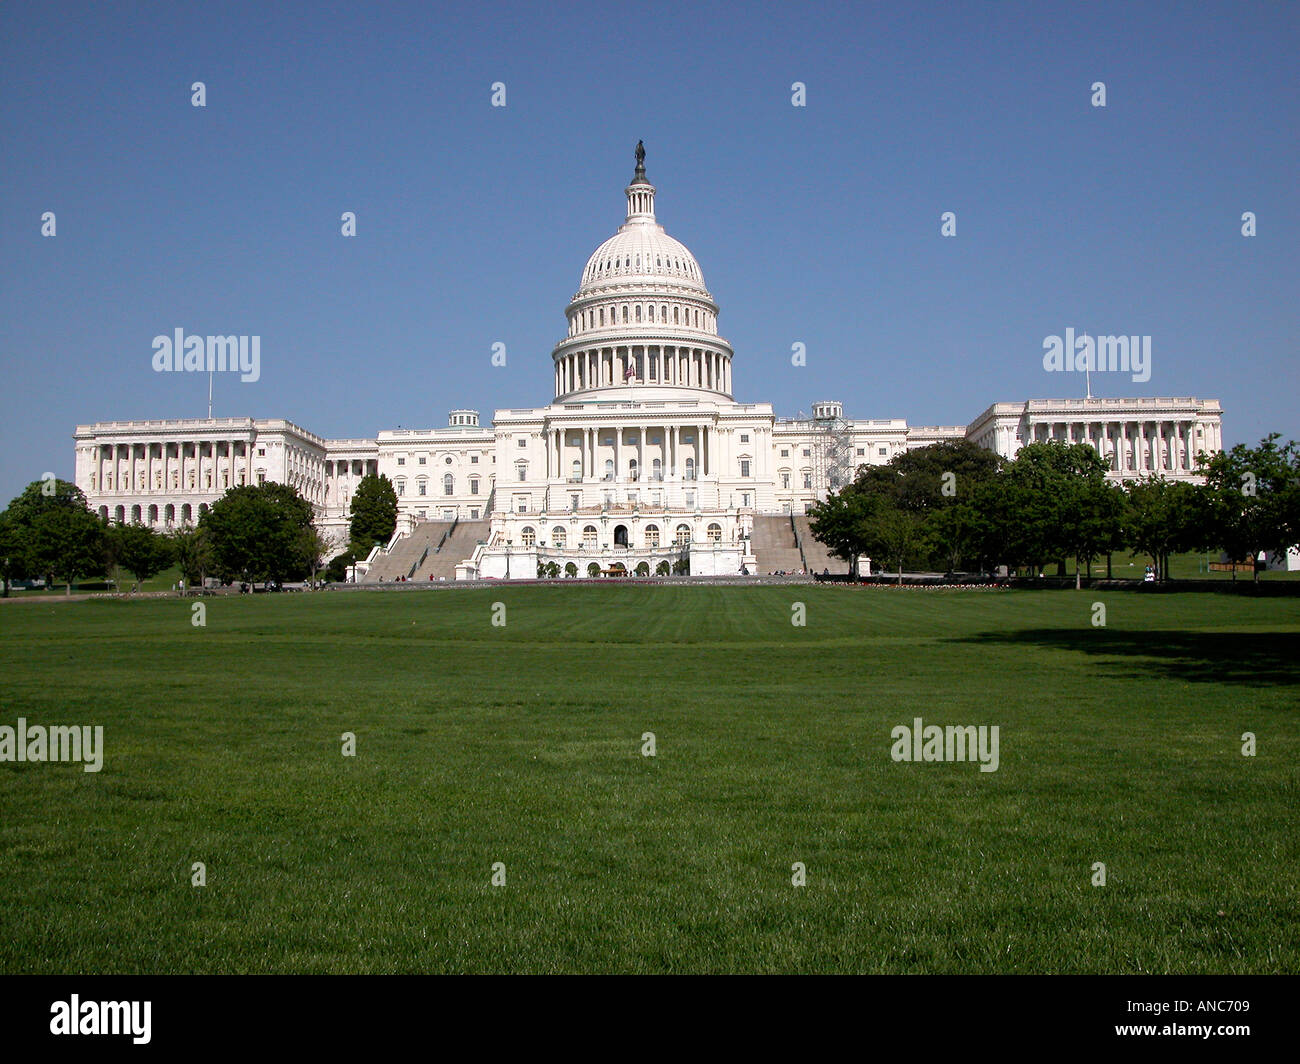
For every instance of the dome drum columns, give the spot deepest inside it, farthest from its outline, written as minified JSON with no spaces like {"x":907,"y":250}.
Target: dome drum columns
{"x":621,"y":365}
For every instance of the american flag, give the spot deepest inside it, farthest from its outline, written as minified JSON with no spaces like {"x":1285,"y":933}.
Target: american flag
{"x":631,"y":372}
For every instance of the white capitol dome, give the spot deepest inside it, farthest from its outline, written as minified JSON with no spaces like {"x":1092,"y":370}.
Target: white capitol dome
{"x":642,"y":314}
{"x":642,"y":253}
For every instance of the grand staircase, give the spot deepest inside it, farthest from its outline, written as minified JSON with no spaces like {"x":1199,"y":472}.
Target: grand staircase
{"x":441,"y":561}
{"x":407,"y":553}
{"x":816,"y":553}
{"x":774,"y":545}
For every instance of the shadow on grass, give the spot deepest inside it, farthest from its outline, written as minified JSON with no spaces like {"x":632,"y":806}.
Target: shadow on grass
{"x":1254,"y":659}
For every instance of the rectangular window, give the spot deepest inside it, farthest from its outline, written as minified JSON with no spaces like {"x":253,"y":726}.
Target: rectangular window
{"x":744,"y":437}
{"x":473,"y":459}
{"x":884,"y":450}
{"x":744,"y":469}
{"x":422,"y":459}
{"x":523,"y":443}
{"x":807,"y":453}
{"x":423,"y":488}
{"x":862,"y":450}
{"x":473,"y":487}
{"x":807,"y":480}
{"x":401,"y":461}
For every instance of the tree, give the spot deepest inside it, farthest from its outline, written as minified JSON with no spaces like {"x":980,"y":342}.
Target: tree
{"x":663,"y":568}
{"x":139,"y":550}
{"x":257,"y":532}
{"x":955,"y":531}
{"x":570,"y":569}
{"x":932,"y":477}
{"x":50,"y":531}
{"x":315,"y":546}
{"x":1044,"y":482}
{"x":1253,"y":498}
{"x":1161,"y":517}
{"x":192,"y":549}
{"x":13,"y":551}
{"x":593,"y":569}
{"x":896,"y":534}
{"x":374,"y":514}
{"x":842,"y":523}
{"x":337,"y":570}
{"x":1092,"y":521}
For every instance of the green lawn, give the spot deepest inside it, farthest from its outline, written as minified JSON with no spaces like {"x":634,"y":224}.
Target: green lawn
{"x":479,"y":744}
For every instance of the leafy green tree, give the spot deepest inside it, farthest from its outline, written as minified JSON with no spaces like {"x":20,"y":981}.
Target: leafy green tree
{"x":374,"y":514}
{"x":192,"y":549}
{"x":50,"y":531}
{"x":257,"y":533}
{"x":896,"y":535}
{"x":139,"y":550}
{"x":315,"y":546}
{"x":1092,"y":521}
{"x":938,"y":482}
{"x":337,"y":569}
{"x":1162,"y":517}
{"x":13,"y":551}
{"x":593,"y":569}
{"x":1253,"y":498}
{"x":843,"y":523}
{"x":930,"y":478}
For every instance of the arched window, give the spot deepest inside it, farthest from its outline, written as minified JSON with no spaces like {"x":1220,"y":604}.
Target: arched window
{"x":657,"y":469}
{"x":683,"y":535}
{"x":589,"y":536}
{"x":448,"y":484}
{"x":625,"y":312}
{"x":609,"y":469}
{"x":638,"y":312}
{"x":714,"y":532}
{"x":675,"y":321}
{"x":528,"y":536}
{"x":690,"y":469}
{"x":652,"y":535}
{"x":559,"y":537}
{"x":577,"y":469}
{"x":400,"y":485}
{"x":632,"y":469}
{"x":663,"y":313}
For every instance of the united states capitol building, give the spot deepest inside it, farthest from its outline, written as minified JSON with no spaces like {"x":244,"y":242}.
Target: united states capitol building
{"x":642,"y":461}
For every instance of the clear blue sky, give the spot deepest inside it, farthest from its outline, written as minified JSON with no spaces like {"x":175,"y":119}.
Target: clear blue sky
{"x":816,"y":224}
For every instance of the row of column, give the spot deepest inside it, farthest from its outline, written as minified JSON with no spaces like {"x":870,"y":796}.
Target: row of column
{"x":1156,"y":445}
{"x":205,"y":459}
{"x":560,"y":451}
{"x":692,"y":367}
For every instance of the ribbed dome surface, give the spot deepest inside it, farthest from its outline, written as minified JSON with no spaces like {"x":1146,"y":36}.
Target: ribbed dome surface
{"x":642,"y":251}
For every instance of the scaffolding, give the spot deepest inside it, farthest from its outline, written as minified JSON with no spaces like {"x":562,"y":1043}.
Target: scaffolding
{"x":833,"y":453}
